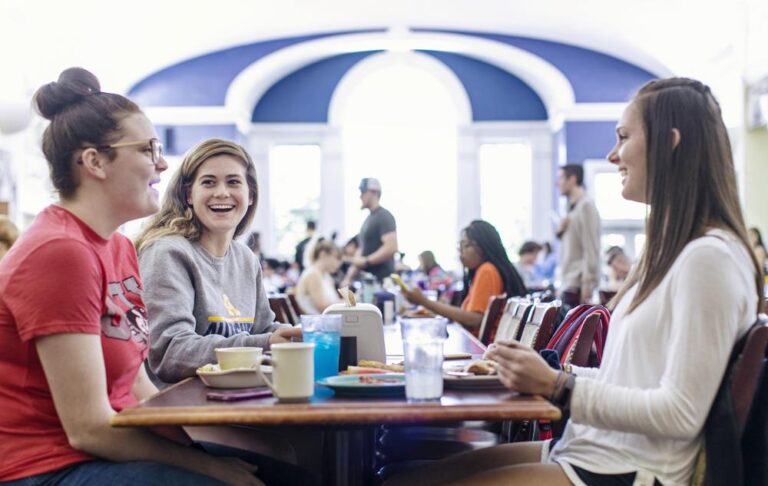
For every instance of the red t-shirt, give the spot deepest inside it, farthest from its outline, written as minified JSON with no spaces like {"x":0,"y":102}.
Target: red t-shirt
{"x":62,"y":277}
{"x":486,"y":283}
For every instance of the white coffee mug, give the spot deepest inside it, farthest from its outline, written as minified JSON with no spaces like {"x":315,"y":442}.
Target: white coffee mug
{"x":293,"y":371}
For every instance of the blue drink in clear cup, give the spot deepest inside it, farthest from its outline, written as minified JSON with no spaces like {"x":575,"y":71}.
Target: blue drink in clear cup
{"x":325,"y":332}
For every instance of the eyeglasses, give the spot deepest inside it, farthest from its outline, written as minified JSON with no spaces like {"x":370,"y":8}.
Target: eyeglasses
{"x":155,"y":146}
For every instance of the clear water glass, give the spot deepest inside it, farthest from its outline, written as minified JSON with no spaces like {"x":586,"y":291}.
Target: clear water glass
{"x":423,"y":341}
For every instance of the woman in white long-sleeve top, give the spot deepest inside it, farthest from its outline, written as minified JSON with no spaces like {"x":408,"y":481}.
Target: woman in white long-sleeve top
{"x":639,"y":418}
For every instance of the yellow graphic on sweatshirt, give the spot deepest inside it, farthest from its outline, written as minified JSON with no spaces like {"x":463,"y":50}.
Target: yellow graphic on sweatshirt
{"x":231,"y":309}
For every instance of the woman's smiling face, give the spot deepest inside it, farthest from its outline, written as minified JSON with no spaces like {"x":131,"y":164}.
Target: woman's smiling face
{"x":219,"y":194}
{"x":629,"y":154}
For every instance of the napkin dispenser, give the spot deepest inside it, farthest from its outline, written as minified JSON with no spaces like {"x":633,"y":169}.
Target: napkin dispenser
{"x":364,"y":322}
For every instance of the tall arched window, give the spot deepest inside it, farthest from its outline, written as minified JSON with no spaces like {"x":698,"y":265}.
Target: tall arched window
{"x":399,"y":124}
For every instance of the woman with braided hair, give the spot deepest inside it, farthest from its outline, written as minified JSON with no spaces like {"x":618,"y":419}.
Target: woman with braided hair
{"x":488,"y":273}
{"x":638,"y":419}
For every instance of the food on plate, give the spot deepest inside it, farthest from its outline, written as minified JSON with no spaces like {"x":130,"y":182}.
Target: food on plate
{"x":365,"y":363}
{"x":359,"y":370}
{"x":376,"y":380}
{"x":419,"y":312}
{"x":481,"y":367}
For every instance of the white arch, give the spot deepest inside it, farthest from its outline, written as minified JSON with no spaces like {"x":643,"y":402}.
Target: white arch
{"x":545,"y":79}
{"x":462,"y":105}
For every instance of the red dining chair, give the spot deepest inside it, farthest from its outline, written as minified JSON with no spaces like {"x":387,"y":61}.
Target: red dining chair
{"x":491,"y":318}
{"x":278,"y":305}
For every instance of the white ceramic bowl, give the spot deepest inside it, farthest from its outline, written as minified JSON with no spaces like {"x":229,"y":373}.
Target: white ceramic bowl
{"x":234,"y":358}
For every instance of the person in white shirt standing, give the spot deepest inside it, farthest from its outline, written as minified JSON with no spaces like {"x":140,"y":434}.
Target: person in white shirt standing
{"x":579,"y":232}
{"x":638,"y":419}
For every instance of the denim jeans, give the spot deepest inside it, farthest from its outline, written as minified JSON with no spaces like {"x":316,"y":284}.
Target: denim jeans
{"x":117,"y":474}
{"x":271,"y":471}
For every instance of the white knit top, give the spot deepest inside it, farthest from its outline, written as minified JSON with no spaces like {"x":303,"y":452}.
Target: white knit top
{"x":645,"y":408}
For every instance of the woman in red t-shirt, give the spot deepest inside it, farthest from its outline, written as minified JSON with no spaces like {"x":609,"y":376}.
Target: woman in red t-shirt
{"x":487,"y":273}
{"x":73,"y":326}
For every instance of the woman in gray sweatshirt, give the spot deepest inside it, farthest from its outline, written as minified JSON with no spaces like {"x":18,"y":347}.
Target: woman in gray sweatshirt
{"x":203,"y":289}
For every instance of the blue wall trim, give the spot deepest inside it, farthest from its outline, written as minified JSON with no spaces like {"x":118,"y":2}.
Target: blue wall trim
{"x":595,"y":77}
{"x":180,"y":138}
{"x":589,"y":140}
{"x":204,"y":80}
{"x":493,"y":93}
{"x":304,"y":96}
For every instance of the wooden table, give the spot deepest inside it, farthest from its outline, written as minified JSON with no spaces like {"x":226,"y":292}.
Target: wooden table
{"x":351,"y":421}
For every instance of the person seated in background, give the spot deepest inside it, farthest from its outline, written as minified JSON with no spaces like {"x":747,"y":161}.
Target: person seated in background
{"x":316,"y":289}
{"x":487,"y":273}
{"x":348,"y":251}
{"x":756,"y":239}
{"x":253,"y":242}
{"x":547,"y":266}
{"x":437,"y":278}
{"x":204,"y":289}
{"x":73,"y":324}
{"x":272,"y":278}
{"x":8,"y":234}
{"x":618,"y":268}
{"x":526,"y":266}
{"x":639,"y":418}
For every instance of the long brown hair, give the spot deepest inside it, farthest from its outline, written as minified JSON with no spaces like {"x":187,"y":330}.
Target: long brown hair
{"x":690,"y":187}
{"x":176,"y":217}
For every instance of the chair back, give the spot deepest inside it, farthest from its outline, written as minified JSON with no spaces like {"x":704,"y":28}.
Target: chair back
{"x":539,"y":327}
{"x":747,"y":371}
{"x":491,"y":317}
{"x":581,"y":337}
{"x":298,"y":311}
{"x":513,"y":319}
{"x":281,"y":307}
{"x":735,"y":441}
{"x":578,"y":349}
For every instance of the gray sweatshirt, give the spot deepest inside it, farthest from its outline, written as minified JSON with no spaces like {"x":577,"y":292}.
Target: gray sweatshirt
{"x":198,"y":302}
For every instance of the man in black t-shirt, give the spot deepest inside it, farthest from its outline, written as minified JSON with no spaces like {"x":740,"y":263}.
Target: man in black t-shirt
{"x":377,"y":238}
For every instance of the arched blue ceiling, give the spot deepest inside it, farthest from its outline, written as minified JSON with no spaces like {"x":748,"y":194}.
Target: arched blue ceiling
{"x":594,"y":76}
{"x":305,"y":95}
{"x":494,"y":94}
{"x":204,"y":80}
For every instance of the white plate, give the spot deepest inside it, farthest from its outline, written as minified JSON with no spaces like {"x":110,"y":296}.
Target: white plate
{"x":213,"y":377}
{"x":487,"y":382}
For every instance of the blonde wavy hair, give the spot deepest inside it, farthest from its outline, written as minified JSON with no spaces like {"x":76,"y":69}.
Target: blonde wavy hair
{"x":176,"y":216}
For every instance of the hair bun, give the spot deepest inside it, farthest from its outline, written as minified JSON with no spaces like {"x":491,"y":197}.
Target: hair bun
{"x":73,"y":85}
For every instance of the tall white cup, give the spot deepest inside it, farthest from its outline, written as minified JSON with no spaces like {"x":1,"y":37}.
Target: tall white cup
{"x":293,"y":371}
{"x":423,"y":349}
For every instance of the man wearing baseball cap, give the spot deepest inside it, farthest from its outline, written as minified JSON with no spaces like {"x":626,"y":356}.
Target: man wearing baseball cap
{"x":378,"y":235}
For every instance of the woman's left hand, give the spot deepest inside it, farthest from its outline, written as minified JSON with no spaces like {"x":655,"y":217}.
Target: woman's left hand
{"x":522,"y":369}
{"x":285,"y":335}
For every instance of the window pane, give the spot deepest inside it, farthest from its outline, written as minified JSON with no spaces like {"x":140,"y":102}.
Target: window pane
{"x":294,"y":181}
{"x":506,"y":192}
{"x":608,"y":199}
{"x":399,"y":126}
